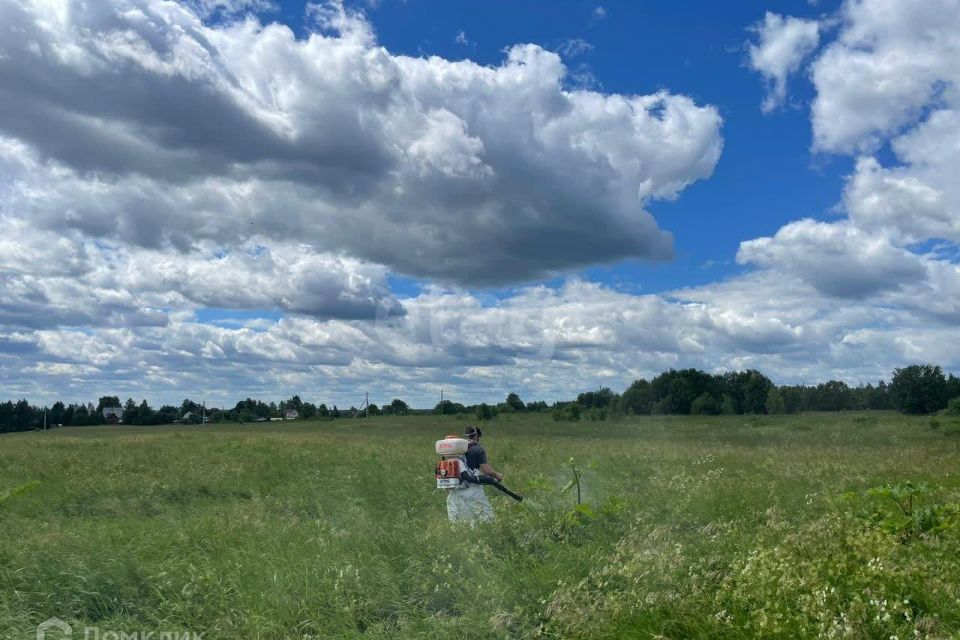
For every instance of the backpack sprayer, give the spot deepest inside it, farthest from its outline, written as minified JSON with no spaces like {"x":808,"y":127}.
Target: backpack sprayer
{"x":453,"y":472}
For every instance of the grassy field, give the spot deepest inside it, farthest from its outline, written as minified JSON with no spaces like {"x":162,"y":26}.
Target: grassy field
{"x":734,"y":527}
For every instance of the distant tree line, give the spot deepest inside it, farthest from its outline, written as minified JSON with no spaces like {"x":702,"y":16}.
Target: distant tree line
{"x":916,"y":389}
{"x":22,"y":416}
{"x":484,"y":411}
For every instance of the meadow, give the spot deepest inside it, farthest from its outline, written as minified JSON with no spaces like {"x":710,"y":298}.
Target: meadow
{"x":712,"y":527}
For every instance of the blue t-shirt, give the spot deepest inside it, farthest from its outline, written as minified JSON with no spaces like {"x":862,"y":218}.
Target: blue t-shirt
{"x":475,"y":455}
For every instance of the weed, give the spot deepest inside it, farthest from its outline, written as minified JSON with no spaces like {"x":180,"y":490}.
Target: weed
{"x":911,"y":518}
{"x":576,"y":472}
{"x":865,"y":421}
{"x":16,"y":492}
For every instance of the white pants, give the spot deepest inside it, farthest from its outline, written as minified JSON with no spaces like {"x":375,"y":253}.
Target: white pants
{"x":468,"y":505}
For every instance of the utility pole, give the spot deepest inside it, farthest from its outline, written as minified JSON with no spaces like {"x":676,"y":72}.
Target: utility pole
{"x":366,"y":402}
{"x":44,"y":419}
{"x":203,"y":413}
{"x":441,"y":401}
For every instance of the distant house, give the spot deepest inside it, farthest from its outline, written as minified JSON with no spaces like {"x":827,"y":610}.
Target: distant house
{"x":113,"y":415}
{"x":291,"y":414}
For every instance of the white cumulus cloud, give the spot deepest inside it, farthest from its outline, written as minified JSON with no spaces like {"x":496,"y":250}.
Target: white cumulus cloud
{"x":891,"y":59}
{"x":783,"y":44}
{"x":164,"y":130}
{"x":836,"y":258}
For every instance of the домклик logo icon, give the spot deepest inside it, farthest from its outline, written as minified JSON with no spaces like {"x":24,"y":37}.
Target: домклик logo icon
{"x":48,"y":626}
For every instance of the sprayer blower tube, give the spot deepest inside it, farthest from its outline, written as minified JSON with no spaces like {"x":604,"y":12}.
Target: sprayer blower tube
{"x":483,"y":479}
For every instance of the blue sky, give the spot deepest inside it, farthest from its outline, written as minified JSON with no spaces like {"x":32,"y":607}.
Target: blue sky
{"x":229,"y":198}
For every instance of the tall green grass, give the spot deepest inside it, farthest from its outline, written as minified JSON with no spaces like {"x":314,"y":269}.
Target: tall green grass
{"x":732,"y":527}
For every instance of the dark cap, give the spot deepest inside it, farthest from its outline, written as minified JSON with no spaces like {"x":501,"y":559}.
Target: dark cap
{"x":473,"y":432}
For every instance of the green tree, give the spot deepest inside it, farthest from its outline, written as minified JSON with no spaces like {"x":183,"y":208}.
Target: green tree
{"x":569,"y":411}
{"x":748,"y":390}
{"x":600,"y":399}
{"x":833,"y":395}
{"x":398,"y":407}
{"x":794,"y":398}
{"x":81,"y":416}
{"x":705,"y":404}
{"x":130,"y":413}
{"x":484,"y":411}
{"x":953,"y":386}
{"x":167,"y":414}
{"x":145,"y":414}
{"x":774,"y":404}
{"x":448,"y":408}
{"x":56,"y":414}
{"x":919,"y":389}
{"x":514,"y":401}
{"x":673,"y":391}
{"x":24,"y":416}
{"x":727,"y":407}
{"x":880,"y":398}
{"x":637,"y":398}
{"x":107,"y":402}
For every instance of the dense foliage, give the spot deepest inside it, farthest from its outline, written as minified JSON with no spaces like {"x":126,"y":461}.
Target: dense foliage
{"x":916,"y":389}
{"x":920,"y":389}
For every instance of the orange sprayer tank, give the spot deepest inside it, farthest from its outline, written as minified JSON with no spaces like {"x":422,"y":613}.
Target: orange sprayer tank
{"x":448,"y":473}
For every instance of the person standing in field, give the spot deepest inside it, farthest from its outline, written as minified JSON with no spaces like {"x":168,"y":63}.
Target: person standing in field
{"x":468,"y":502}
